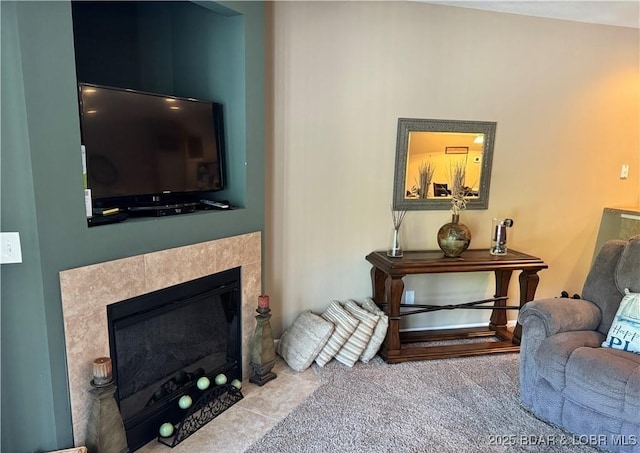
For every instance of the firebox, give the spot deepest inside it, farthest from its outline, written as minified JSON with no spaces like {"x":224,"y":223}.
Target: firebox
{"x":162,"y":342}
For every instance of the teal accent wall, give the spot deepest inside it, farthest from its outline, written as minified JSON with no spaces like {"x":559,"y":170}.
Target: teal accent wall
{"x":221,"y":39}
{"x":24,"y":347}
{"x":42,"y":198}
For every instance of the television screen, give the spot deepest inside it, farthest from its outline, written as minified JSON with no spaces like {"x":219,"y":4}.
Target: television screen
{"x":139,"y":144}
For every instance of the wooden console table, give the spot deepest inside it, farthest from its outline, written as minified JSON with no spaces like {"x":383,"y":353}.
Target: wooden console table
{"x":387,"y":274}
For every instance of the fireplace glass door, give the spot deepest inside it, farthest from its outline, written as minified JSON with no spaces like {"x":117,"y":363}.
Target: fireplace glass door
{"x":163,"y":342}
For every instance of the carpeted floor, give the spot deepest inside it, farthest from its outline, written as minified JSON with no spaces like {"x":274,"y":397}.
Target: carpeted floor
{"x":456,"y":405}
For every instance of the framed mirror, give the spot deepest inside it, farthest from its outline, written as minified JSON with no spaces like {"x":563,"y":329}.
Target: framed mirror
{"x":431,"y":154}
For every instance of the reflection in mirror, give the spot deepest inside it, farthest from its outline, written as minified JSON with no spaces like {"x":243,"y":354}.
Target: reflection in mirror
{"x":429,"y":155}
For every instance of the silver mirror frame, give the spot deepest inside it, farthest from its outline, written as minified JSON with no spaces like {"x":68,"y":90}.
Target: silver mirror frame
{"x":408,"y":125}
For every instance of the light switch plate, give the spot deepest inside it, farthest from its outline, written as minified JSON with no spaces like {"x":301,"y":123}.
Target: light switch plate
{"x":10,"y":251}
{"x":624,"y":171}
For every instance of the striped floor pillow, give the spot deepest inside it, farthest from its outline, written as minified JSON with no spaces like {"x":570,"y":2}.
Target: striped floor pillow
{"x":344,"y":324}
{"x":379,"y":332}
{"x":357,"y":342}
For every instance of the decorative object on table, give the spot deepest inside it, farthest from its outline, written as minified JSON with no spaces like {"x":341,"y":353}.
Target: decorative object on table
{"x":455,"y":237}
{"x":499,"y":236}
{"x":262,"y":350}
{"x":105,"y":430}
{"x":425,"y":175}
{"x":395,"y":243}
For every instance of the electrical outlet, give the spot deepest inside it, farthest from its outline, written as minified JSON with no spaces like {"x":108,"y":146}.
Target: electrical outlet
{"x":409,"y":297}
{"x":624,"y":171}
{"x":10,"y":251}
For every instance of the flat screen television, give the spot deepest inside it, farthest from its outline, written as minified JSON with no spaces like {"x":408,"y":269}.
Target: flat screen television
{"x":143,"y":148}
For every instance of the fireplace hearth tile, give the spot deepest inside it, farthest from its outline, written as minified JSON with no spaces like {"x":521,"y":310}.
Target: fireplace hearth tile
{"x":106,"y":283}
{"x":251,"y":282}
{"x":251,"y":287}
{"x":170,"y":267}
{"x":248,"y":420}
{"x":233,"y":431}
{"x":87,"y":291}
{"x":279,"y":397}
{"x":247,"y":247}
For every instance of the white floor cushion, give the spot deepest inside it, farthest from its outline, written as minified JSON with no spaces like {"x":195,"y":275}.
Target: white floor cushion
{"x":303,"y":340}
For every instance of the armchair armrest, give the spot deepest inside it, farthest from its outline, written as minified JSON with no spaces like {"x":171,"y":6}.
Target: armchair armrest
{"x":561,"y":315}
{"x":545,"y":317}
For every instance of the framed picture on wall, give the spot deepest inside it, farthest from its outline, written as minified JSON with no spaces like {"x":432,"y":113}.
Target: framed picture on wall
{"x":456,"y":150}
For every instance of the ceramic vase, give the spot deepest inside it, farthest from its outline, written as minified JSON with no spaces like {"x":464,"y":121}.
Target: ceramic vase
{"x":454,"y":237}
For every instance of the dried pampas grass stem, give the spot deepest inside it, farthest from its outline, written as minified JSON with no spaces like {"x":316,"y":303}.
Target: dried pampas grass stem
{"x":397,"y":217}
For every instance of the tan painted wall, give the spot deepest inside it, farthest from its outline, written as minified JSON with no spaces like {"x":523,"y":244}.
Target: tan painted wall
{"x":566,"y":99}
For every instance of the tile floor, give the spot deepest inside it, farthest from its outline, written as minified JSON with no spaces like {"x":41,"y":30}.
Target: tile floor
{"x":249,"y":419}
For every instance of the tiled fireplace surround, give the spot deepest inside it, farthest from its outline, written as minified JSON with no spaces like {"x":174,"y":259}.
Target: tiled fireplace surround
{"x":86,"y":292}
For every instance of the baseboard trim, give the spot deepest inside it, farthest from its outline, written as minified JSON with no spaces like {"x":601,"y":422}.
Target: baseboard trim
{"x":511,"y":323}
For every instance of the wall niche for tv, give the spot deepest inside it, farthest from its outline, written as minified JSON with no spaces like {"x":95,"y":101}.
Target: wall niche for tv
{"x":174,"y":48}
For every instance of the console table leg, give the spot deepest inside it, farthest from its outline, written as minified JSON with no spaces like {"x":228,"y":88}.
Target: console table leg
{"x":394,"y":286}
{"x":499,"y":317}
{"x":377,"y":281}
{"x":528,"y":285}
